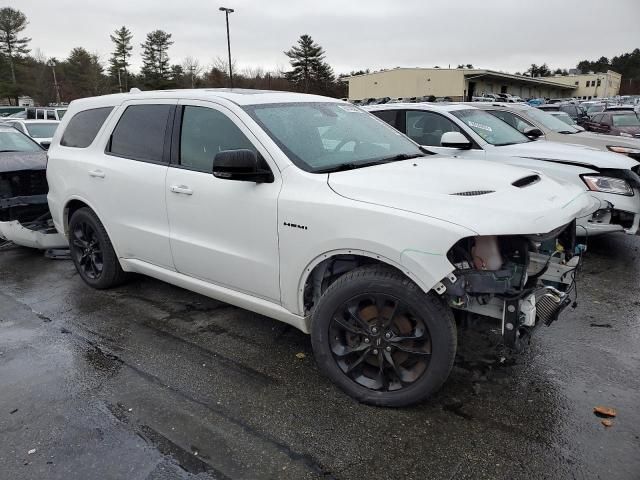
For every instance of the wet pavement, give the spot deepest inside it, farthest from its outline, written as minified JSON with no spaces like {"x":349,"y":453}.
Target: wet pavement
{"x":149,"y":381}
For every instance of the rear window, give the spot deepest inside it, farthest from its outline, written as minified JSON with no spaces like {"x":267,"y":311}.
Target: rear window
{"x":41,"y":130}
{"x":84,"y":126}
{"x":140,"y":133}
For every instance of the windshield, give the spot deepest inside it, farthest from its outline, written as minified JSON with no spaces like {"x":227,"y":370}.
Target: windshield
{"x":11,"y":141}
{"x":41,"y":130}
{"x":320,"y":136}
{"x":490,"y":128}
{"x":625,"y":120}
{"x":595,"y":109}
{"x":549,"y":121}
{"x":565,"y":117}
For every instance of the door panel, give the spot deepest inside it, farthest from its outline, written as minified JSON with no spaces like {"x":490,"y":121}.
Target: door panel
{"x":222,"y":231}
{"x":129,"y":194}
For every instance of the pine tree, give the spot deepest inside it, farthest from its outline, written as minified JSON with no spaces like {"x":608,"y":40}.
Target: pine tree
{"x":310,"y":71}
{"x":12,"y":22}
{"x":156,"y":69}
{"x":119,"y":61}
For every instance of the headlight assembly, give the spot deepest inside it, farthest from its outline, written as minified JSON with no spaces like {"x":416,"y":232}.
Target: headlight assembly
{"x":598,"y":183}
{"x":624,"y":150}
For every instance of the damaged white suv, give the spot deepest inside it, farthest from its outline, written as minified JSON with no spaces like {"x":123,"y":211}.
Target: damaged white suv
{"x":315,"y":213}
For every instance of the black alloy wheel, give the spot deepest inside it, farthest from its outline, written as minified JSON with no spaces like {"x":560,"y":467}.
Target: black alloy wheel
{"x":379,"y":343}
{"x":87,"y":250}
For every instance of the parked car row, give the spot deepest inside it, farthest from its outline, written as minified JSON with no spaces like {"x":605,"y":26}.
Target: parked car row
{"x":309,"y":210}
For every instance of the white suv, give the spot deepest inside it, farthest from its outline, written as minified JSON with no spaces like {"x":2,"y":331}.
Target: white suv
{"x":315,"y":213}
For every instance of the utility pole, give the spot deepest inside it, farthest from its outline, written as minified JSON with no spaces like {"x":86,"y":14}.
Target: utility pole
{"x":52,"y":64}
{"x":227,"y":11}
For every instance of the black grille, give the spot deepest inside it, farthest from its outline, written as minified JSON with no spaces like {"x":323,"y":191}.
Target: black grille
{"x":23,"y":183}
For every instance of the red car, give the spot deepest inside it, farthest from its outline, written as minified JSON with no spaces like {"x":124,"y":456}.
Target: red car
{"x":623,"y":123}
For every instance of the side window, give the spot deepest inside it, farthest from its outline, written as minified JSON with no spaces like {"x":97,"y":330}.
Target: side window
{"x":40,"y":114}
{"x":606,"y":119}
{"x":140,"y":133}
{"x":51,"y":115}
{"x":513,"y":120}
{"x":83,"y":127}
{"x":597,"y":118}
{"x":426,"y":128}
{"x":389,"y":116}
{"x":205,"y":132}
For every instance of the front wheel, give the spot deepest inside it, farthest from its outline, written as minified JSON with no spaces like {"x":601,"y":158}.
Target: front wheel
{"x":381,"y":339}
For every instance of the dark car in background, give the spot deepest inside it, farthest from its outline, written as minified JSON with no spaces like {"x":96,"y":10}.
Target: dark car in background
{"x":574,"y":111}
{"x":617,"y":122}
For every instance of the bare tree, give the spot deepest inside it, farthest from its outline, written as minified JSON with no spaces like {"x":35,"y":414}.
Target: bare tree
{"x":193,"y":69}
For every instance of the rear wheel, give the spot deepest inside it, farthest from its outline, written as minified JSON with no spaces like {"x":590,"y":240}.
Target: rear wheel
{"x":382,"y":339}
{"x":92,"y":252}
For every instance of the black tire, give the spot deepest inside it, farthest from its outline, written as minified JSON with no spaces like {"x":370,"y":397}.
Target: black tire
{"x":334,"y":331}
{"x":92,"y":252}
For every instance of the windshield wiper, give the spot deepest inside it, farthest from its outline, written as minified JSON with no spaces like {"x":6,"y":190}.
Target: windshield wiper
{"x":8,"y":151}
{"x":353,"y":165}
{"x":567,"y":132}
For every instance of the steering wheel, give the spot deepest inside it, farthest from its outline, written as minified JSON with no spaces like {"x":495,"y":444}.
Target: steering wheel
{"x":344,"y":142}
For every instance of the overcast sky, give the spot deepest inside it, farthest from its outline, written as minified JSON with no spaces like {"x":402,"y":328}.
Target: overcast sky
{"x":356,"y":34}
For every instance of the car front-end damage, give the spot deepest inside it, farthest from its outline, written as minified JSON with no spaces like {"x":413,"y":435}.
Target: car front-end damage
{"x":520,"y":281}
{"x":24,"y":213}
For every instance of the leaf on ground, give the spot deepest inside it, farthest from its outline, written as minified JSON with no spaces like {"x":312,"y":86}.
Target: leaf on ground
{"x":605,"y":411}
{"x":300,"y":355}
{"x":606,"y":423}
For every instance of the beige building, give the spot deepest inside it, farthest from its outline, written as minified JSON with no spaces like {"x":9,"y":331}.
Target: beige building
{"x":592,"y":85}
{"x":462,"y":84}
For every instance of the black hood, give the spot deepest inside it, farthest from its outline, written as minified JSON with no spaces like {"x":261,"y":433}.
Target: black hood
{"x":16,"y":161}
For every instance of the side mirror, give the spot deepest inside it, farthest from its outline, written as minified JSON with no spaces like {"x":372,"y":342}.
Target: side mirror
{"x":455,"y":140}
{"x":533,"y":132}
{"x":240,"y":165}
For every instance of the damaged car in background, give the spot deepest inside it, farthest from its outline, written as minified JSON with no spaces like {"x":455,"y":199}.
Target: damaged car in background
{"x":471,"y":133}
{"x":24,"y":213}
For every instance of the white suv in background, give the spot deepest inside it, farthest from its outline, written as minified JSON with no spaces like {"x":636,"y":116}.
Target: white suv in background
{"x":310,"y":211}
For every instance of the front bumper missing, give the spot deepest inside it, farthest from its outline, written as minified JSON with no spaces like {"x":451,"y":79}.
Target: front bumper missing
{"x":41,"y":238}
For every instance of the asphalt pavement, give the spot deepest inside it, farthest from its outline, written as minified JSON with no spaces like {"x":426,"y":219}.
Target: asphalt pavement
{"x":149,"y":381}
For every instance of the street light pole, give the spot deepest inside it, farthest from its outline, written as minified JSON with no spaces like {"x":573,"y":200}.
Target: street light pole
{"x":52,"y":64}
{"x":227,"y":11}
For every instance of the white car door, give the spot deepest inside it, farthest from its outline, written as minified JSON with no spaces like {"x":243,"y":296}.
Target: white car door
{"x":222,"y":231}
{"x":426,"y":128}
{"x":127,"y":180}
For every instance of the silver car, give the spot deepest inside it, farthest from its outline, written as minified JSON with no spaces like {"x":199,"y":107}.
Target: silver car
{"x":524,"y":118}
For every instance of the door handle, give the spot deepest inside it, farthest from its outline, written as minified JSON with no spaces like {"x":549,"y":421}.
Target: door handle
{"x":96,"y":173}
{"x":181,"y":189}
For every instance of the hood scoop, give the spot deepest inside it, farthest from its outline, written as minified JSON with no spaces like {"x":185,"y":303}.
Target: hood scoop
{"x":526,"y":181}
{"x":473,"y":193}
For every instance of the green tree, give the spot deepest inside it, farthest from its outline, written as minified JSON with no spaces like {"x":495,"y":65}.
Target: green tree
{"x":119,"y":61}
{"x":12,"y":46}
{"x":82,"y":74}
{"x":156,"y":69}
{"x":310,"y":72}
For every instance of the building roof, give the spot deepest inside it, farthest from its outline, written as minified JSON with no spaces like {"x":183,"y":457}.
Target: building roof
{"x":477,"y":72}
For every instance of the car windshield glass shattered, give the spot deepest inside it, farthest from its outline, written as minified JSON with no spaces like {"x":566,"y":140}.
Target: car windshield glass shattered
{"x":17,"y":142}
{"x":550,"y":122}
{"x":323,"y":137}
{"x":41,"y":130}
{"x":490,"y":128}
